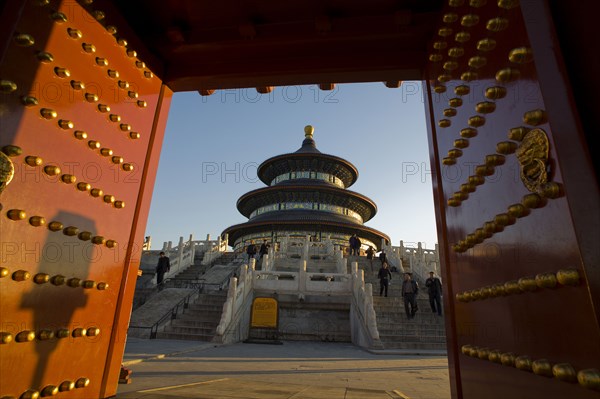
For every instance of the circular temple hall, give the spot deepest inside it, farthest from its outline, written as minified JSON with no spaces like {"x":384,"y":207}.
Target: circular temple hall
{"x":306,"y":195}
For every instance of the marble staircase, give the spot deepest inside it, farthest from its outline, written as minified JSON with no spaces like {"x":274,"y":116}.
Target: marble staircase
{"x":425,"y":331}
{"x":197,"y":272}
{"x":199,"y":321}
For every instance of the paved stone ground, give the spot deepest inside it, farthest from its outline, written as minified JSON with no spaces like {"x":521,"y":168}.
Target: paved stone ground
{"x":165,"y":369}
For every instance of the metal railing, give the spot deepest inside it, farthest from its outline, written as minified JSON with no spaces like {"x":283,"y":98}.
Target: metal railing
{"x":170,"y":315}
{"x":199,"y":287}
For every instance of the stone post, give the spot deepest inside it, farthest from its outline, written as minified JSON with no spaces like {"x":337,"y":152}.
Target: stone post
{"x":342,"y":265}
{"x":169,"y":246}
{"x":305,"y":249}
{"x":302,"y":276}
{"x":180,"y":252}
{"x":192,"y":247}
{"x":283,"y":245}
{"x":231,"y":294}
{"x":437,"y":260}
{"x":369,"y":292}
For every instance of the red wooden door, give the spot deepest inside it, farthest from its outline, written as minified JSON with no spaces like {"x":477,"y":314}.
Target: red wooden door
{"x":517,"y":205}
{"x":82,"y":120}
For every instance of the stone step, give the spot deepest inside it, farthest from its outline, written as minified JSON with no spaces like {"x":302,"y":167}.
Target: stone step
{"x":434,"y":336}
{"x":189,"y":274}
{"x":216,"y":294}
{"x":393,"y":300}
{"x":210,"y":301}
{"x":213,"y":320}
{"x":414,"y":345}
{"x":314,"y":306}
{"x":212,"y":296}
{"x":199,"y":323}
{"x":398,"y":302}
{"x":321,"y":337}
{"x":191,"y":330}
{"x":218,"y":304}
{"x":419,"y":342}
{"x":183,"y":336}
{"x":426,"y":330}
{"x":204,"y":309}
{"x":408,"y":325}
{"x":400,"y":313}
{"x":402,"y":320}
{"x":209,"y":306}
{"x":201,"y":314}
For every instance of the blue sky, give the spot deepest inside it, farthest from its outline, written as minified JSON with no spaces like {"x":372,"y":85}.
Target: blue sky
{"x":213,"y":146}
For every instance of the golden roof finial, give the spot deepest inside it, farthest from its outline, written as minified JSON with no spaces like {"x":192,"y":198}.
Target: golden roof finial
{"x":308,"y":131}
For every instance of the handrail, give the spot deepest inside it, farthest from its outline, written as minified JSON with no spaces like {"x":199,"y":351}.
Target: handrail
{"x":195,"y":284}
{"x":172,"y":314}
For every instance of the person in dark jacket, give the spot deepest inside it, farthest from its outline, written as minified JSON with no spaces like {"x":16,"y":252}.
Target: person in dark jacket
{"x":264,"y":249}
{"x":410,"y":290}
{"x":370,"y":253}
{"x":163,"y":266}
{"x":383,"y":257}
{"x":357,"y":244}
{"x":384,"y":279}
{"x":352,"y":244}
{"x":434,"y":289}
{"x":251,"y":251}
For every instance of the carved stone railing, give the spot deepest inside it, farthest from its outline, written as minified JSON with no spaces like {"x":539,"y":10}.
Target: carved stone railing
{"x":341,"y":262}
{"x":181,"y":257}
{"x":304,"y":248}
{"x":419,"y":261}
{"x":233,"y":325}
{"x":216,"y":250}
{"x":393,"y":257}
{"x":268,"y":260}
{"x":363,"y":319}
{"x":302,"y":283}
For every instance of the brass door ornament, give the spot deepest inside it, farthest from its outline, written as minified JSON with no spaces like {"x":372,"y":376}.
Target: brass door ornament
{"x":533,"y":159}
{"x":7,"y":171}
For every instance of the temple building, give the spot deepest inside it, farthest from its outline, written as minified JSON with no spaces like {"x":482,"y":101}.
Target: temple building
{"x":307,"y":195}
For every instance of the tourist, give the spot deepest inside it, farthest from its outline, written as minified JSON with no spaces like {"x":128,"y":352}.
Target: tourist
{"x":434,"y":289}
{"x":410,"y":290}
{"x":352,"y":244}
{"x":264,"y":249}
{"x":163,"y":266}
{"x":251,"y":251}
{"x":357,"y":245}
{"x":370,"y":254}
{"x":384,"y":279}
{"x":383,"y":257}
